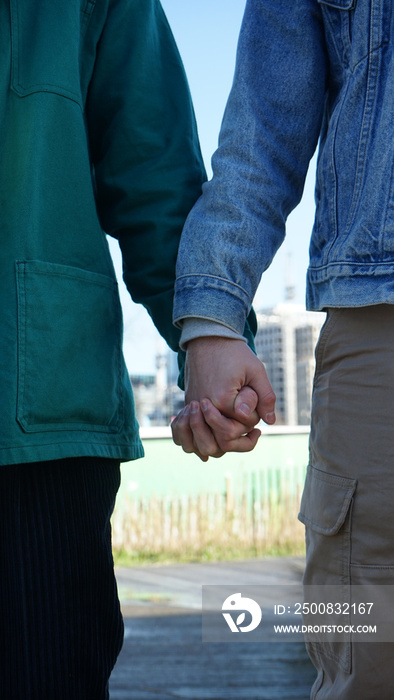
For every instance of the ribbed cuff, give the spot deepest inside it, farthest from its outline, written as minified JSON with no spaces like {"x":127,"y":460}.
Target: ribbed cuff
{"x":198,"y":328}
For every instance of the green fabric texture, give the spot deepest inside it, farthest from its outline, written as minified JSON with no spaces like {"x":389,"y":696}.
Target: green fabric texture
{"x":98,"y":137}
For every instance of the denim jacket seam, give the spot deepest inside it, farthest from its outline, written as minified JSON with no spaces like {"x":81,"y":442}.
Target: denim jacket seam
{"x":181,"y":279}
{"x":364,"y":137}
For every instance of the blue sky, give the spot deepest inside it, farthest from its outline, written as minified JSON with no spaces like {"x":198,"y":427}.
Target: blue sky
{"x":206,"y":32}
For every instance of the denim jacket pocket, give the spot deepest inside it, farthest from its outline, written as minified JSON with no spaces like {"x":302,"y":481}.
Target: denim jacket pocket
{"x":338,"y":16}
{"x":69,"y":349}
{"x":45,"y":45}
{"x":374,"y":20}
{"x":339,"y":4}
{"x":325,"y":510}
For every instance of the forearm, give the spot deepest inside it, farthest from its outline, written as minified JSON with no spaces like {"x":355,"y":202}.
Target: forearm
{"x":269,"y":133}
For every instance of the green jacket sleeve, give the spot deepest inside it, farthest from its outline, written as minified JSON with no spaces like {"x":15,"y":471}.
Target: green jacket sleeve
{"x":147,"y":162}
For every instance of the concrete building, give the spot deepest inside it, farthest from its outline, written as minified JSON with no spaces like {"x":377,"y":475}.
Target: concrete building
{"x":157,"y":397}
{"x":285,"y":342}
{"x":306,"y":337}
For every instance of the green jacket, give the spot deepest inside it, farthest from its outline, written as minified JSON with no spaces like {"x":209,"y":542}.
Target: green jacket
{"x":97,"y":136}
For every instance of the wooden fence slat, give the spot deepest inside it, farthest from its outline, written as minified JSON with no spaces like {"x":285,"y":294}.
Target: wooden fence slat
{"x":263,"y":516}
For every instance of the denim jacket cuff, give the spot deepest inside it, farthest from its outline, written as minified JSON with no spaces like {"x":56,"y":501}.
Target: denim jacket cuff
{"x":212,"y":299}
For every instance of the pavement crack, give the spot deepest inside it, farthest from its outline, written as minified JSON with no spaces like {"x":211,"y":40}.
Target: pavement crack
{"x":169,"y":694}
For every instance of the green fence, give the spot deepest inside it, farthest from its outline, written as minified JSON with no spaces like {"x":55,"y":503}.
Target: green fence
{"x":171,"y":501}
{"x":167,"y":471}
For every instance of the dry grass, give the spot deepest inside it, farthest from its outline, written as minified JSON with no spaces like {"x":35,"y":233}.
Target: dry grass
{"x":207,"y":527}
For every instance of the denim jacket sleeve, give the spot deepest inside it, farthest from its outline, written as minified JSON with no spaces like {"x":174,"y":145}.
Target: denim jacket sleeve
{"x":145,"y":151}
{"x":269,"y":133}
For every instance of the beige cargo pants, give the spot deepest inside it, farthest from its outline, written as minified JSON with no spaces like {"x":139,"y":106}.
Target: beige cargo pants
{"x":348,"y":501}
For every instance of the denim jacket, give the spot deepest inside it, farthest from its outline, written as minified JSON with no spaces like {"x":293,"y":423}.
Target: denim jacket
{"x":307,"y":71}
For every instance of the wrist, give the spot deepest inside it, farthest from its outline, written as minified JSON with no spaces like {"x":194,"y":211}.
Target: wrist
{"x":194,"y":328}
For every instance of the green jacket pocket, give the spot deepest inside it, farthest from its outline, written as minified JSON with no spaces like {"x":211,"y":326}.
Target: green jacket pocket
{"x":69,"y":349}
{"x":42,"y":60}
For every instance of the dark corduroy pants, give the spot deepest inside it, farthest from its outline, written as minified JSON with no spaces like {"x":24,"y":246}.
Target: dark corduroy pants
{"x":60,"y":623}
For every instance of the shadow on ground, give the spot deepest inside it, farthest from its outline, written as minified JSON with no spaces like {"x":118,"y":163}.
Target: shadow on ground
{"x":163,"y":655}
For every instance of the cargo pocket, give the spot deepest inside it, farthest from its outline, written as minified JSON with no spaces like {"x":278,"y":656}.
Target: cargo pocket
{"x":326,"y":511}
{"x":69,"y":349}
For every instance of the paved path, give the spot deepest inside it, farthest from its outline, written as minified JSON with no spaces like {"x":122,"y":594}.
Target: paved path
{"x":163,"y":655}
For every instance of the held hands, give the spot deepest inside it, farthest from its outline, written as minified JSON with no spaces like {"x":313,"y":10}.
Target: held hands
{"x":227,"y":392}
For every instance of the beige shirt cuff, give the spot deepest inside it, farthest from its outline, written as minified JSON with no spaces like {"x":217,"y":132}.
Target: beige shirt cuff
{"x":198,"y":328}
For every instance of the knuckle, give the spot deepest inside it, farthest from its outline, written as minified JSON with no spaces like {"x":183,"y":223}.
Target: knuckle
{"x":178,"y":424}
{"x":189,"y":449}
{"x":271,"y":396}
{"x":175,"y":436}
{"x":242,"y":444}
{"x":223,"y":442}
{"x":221,"y":400}
{"x":209,"y":449}
{"x":194,"y":420}
{"x":231,"y":432}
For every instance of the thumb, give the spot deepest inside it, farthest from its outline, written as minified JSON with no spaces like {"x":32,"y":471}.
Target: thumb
{"x":267,"y":399}
{"x":266,"y":407}
{"x":248,"y":403}
{"x":259,"y":383}
{"x":245,"y":404}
